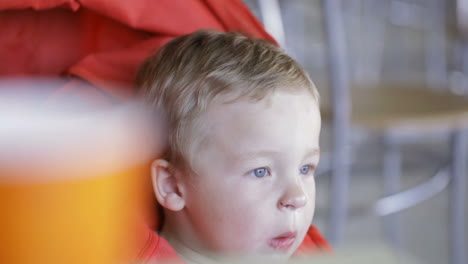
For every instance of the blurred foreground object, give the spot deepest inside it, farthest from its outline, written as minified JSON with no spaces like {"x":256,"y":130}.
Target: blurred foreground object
{"x":72,"y":183}
{"x":354,"y":255}
{"x":360,"y":255}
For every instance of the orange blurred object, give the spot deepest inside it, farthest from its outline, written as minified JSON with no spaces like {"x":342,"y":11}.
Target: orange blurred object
{"x":75,"y":221}
{"x":71,"y":185}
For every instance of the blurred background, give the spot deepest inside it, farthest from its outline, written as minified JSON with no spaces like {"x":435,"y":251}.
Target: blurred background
{"x":387,"y":40}
{"x":412,"y":44}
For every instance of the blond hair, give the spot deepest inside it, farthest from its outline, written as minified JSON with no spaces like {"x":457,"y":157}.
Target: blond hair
{"x":186,"y":75}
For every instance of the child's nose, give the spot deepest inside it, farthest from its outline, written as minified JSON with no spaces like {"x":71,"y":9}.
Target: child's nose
{"x":294,"y":198}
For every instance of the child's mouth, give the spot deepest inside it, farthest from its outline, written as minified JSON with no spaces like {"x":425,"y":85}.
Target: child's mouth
{"x":284,"y":241}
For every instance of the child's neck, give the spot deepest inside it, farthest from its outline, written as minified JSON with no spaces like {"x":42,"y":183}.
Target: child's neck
{"x":185,"y":251}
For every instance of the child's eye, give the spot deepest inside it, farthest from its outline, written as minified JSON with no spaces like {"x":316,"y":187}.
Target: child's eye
{"x":306,"y":169}
{"x":260,"y":172}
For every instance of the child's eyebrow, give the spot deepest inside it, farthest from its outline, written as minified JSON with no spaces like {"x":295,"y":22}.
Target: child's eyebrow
{"x":312,"y":153}
{"x":270,"y":153}
{"x":248,"y":155}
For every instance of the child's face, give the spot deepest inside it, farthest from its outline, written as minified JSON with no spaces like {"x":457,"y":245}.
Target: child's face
{"x":254,"y":192}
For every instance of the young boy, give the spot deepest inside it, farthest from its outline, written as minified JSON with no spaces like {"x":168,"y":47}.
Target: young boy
{"x":243,"y":132}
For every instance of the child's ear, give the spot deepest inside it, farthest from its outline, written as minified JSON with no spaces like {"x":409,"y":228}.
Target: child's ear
{"x":166,"y":187}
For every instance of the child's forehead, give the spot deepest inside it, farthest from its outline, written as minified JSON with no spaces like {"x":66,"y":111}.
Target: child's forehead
{"x":275,"y":102}
{"x":246,"y":122}
{"x":263,"y":119}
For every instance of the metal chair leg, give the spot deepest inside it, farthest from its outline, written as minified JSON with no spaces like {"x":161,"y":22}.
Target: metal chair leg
{"x":457,"y":199}
{"x":392,"y":184}
{"x":337,"y":57}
